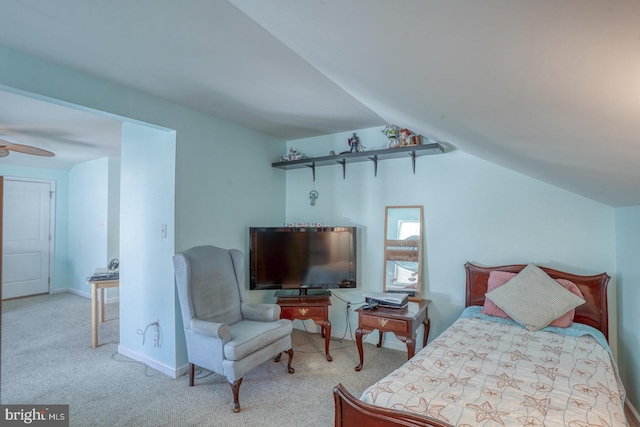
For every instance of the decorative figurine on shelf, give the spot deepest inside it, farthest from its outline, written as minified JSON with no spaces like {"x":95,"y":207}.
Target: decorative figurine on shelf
{"x":354,"y":143}
{"x":405,"y":138}
{"x":293,"y":155}
{"x":392,"y":133}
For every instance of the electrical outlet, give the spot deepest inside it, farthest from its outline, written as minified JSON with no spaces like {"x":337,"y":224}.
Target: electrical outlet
{"x":348,"y":305}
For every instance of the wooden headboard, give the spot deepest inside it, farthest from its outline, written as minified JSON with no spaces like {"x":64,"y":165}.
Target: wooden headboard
{"x":593,"y":312}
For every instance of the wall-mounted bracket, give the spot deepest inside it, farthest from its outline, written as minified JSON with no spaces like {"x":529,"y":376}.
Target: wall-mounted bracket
{"x":313,"y":170}
{"x":343,"y":162}
{"x":413,"y":161}
{"x":374,"y":159}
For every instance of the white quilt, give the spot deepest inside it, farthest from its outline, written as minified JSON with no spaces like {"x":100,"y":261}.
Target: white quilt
{"x":484,"y":373}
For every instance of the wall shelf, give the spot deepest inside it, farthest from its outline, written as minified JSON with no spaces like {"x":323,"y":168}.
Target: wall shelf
{"x":411,"y":151}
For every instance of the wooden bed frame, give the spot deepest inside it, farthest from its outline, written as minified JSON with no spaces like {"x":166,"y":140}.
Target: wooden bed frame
{"x":352,"y":412}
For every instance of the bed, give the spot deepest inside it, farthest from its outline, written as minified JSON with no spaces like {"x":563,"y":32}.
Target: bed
{"x":491,"y":371}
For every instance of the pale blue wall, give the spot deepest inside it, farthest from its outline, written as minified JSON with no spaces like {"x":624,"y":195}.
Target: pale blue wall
{"x":628,"y":250}
{"x":224,"y":182}
{"x":473,"y":211}
{"x":88,"y":219}
{"x":113,"y":206}
{"x":61,"y":261}
{"x":147,"y":200}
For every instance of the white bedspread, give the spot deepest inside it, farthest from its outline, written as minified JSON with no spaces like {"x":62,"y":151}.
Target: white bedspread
{"x":485,"y":373}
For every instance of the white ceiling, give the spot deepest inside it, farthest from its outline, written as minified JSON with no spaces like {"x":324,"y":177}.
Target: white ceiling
{"x":550,"y":89}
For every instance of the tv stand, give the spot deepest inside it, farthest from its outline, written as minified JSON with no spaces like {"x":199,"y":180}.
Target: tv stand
{"x":308,"y":305}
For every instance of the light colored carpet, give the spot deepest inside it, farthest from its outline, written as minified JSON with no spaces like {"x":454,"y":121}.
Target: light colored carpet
{"x":47,"y":358}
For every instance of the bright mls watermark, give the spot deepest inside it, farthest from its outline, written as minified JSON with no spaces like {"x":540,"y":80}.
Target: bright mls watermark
{"x":34,"y":415}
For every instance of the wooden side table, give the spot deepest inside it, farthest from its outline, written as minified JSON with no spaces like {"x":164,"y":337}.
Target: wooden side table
{"x":99,"y":285}
{"x":315,"y":307}
{"x":403,"y":322}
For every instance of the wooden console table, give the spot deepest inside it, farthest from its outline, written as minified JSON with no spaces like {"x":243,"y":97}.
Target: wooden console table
{"x":303,"y":307}
{"x":95,"y":286}
{"x":403,"y":322}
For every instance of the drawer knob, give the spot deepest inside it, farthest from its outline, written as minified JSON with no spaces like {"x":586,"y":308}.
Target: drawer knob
{"x":382,"y":322}
{"x":303,"y":311}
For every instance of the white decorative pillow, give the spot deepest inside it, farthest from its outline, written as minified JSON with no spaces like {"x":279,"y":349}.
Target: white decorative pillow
{"x":534,"y":299}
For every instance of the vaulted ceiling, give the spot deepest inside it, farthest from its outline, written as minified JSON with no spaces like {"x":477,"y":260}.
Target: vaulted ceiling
{"x":549,"y":89}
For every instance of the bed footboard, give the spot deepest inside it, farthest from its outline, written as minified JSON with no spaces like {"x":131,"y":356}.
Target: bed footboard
{"x":352,"y":412}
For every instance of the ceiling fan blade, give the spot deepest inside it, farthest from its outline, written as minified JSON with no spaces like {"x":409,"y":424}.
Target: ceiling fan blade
{"x":3,"y":152}
{"x":26,"y":149}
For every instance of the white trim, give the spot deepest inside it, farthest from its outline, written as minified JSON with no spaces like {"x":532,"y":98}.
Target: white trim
{"x":79,"y":292}
{"x":167,"y":370}
{"x":84,"y":294}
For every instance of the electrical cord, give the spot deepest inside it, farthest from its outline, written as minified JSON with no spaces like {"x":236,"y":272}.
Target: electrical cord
{"x":156,"y":336}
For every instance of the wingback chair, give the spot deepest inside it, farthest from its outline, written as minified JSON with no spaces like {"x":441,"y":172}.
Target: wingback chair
{"x":225,"y":333}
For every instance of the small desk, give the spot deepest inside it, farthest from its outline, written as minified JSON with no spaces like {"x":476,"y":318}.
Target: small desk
{"x":315,"y":307}
{"x":403,"y":322}
{"x":95,"y":286}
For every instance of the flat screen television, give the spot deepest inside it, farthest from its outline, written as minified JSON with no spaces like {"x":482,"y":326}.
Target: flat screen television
{"x":302,"y":258}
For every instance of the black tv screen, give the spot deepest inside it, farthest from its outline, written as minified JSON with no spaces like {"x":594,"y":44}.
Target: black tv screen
{"x":302,"y":257}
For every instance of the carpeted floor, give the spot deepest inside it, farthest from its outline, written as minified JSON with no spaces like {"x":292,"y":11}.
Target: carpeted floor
{"x":47,"y":358}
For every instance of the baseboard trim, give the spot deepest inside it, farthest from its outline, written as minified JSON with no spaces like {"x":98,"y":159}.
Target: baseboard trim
{"x":75,"y":292}
{"x":83,"y":294}
{"x":161,"y":367}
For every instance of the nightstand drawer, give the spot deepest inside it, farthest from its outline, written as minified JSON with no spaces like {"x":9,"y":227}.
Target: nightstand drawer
{"x":302,"y":312}
{"x":383,"y":324}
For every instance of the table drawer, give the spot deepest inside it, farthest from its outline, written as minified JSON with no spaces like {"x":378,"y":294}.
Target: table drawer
{"x":383,"y":323}
{"x":302,"y":312}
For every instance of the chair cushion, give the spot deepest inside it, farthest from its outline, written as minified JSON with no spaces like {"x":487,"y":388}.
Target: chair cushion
{"x":213,"y":287}
{"x":248,"y":336}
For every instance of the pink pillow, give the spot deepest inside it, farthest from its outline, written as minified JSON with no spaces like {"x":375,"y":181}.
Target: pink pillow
{"x":499,"y":278}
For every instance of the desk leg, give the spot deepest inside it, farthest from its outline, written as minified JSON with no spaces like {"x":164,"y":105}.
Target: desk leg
{"x":427,"y":326}
{"x":326,"y":328}
{"x":101,"y":305}
{"x":379,"y":339}
{"x":359,"y":343}
{"x":94,"y":315}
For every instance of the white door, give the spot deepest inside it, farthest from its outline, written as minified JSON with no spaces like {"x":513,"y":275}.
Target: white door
{"x":26,"y":238}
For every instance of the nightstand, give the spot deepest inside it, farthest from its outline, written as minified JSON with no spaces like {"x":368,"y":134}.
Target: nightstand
{"x":314,"y":307}
{"x":403,"y":322}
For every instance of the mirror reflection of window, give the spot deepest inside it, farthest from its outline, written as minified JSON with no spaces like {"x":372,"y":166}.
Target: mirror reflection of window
{"x":407,"y":272}
{"x":408,"y":228}
{"x":403,"y":250}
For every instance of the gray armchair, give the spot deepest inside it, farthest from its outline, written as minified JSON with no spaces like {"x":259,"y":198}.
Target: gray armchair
{"x":225,"y":333}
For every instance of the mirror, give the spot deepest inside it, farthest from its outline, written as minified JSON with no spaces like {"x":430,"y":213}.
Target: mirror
{"x":403,"y":251}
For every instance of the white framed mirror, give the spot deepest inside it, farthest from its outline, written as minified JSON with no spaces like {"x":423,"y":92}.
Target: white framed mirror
{"x":403,"y":250}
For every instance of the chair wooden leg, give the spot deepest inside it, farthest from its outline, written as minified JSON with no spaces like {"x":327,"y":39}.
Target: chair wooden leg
{"x":235,"y":387}
{"x":192,"y":371}
{"x":289,"y":368}
{"x":277,"y":359}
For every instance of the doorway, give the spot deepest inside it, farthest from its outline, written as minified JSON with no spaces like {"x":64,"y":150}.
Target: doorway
{"x":28,"y":237}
